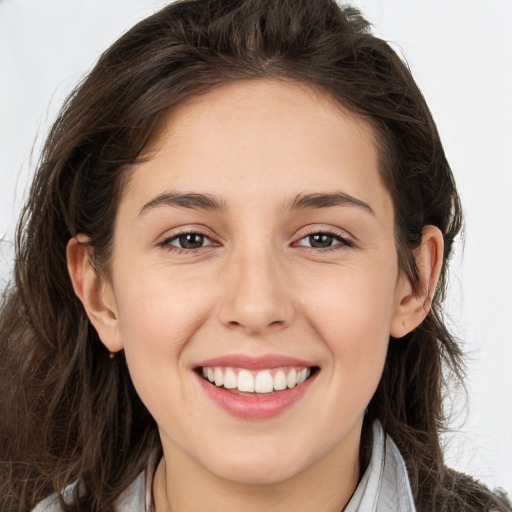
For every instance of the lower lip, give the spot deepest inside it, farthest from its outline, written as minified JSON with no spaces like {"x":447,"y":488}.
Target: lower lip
{"x":258,"y":407}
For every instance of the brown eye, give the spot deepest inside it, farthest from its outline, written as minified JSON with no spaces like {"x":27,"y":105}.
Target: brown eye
{"x":325,"y":241}
{"x":190,"y":241}
{"x":320,"y":240}
{"x":186,"y":242}
{"x":183,"y":242}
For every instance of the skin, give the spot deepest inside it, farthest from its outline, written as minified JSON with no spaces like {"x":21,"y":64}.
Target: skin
{"x":256,"y":287}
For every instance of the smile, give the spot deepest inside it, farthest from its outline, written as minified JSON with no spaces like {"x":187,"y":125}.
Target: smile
{"x":256,"y":381}
{"x":255,"y":388}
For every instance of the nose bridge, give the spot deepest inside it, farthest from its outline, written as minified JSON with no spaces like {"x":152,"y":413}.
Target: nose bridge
{"x":254,"y":296}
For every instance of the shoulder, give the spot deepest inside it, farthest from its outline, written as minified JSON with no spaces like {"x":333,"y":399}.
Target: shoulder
{"x":135,"y":498}
{"x":464,"y":492}
{"x":52,"y":502}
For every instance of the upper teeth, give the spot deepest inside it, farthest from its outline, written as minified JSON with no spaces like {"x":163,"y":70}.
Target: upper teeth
{"x":256,"y":381}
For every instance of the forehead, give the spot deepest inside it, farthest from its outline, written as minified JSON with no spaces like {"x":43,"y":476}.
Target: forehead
{"x":276,"y":137}
{"x":263,"y":102}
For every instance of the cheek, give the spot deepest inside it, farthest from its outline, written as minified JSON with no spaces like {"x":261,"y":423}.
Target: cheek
{"x":156,"y":306}
{"x":158,"y":315}
{"x":352,"y":301}
{"x":352,"y":311}
{"x":352,"y":317}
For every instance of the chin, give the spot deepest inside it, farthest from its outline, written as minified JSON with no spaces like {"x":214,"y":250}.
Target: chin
{"x":256,"y":472}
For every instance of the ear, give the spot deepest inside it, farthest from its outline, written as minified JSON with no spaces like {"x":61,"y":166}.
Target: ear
{"x":94,"y":291}
{"x":414,"y":302}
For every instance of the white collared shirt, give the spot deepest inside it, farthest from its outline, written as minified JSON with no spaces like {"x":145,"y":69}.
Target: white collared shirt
{"x":384,"y":487}
{"x":385,"y":484}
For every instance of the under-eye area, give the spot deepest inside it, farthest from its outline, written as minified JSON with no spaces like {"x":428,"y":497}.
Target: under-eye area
{"x":264,"y":381}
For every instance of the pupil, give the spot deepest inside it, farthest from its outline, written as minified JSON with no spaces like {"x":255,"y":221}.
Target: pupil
{"x":320,"y":240}
{"x":191,"y":241}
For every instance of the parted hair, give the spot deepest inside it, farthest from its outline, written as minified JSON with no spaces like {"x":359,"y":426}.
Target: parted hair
{"x":67,"y":410}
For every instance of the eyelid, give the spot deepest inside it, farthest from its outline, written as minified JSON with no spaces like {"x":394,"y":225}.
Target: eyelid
{"x":344,"y":239}
{"x":341,"y":236}
{"x":164,"y":240}
{"x":175,"y":238}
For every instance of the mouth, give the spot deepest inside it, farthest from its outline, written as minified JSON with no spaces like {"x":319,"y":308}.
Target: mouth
{"x":256,"y":388}
{"x":256,"y":382}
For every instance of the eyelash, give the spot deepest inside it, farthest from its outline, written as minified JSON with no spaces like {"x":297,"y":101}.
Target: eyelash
{"x":166,"y":242}
{"x":343,"y":242}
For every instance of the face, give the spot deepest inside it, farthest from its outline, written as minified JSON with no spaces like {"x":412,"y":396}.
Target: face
{"x":255,"y":249}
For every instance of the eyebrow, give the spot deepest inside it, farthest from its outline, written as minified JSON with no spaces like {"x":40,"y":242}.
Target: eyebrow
{"x":304,"y":201}
{"x":190,"y":200}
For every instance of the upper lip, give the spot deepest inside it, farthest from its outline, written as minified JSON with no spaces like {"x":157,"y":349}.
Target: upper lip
{"x":255,"y":362}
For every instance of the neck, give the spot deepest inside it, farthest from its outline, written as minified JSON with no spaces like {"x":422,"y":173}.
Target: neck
{"x":182,"y":484}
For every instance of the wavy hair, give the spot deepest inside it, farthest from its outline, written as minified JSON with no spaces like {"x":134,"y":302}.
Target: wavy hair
{"x":69,"y":412}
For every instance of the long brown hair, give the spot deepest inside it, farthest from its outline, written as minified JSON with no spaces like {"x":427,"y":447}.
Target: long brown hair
{"x":69,"y":412}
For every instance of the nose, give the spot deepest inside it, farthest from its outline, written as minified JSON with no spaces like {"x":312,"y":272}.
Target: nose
{"x":255,"y":296}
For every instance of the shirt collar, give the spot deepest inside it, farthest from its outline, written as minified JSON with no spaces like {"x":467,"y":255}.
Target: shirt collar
{"x":385,"y":484}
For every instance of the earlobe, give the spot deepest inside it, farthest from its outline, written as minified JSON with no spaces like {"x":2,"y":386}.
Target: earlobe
{"x":413,"y":301}
{"x":95,"y":293}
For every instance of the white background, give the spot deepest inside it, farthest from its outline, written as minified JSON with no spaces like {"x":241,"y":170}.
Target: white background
{"x":459,"y":52}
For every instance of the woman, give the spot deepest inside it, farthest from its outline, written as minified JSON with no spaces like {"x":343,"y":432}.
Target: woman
{"x":229,"y":277}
